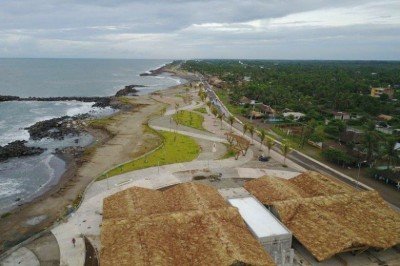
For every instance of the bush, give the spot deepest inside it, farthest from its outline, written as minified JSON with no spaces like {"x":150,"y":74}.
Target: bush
{"x":338,"y":157}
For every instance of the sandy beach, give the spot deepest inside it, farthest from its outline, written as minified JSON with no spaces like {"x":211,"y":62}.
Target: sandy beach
{"x":124,"y":138}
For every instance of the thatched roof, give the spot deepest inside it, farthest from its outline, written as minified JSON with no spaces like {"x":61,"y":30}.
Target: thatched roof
{"x":189,"y":224}
{"x":328,"y":225}
{"x":136,"y":201}
{"x":326,"y":216}
{"x":309,"y":184}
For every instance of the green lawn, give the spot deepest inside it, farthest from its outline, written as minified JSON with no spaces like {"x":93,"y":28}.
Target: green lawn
{"x":189,"y":119}
{"x":177,"y":148}
{"x":201,"y":110}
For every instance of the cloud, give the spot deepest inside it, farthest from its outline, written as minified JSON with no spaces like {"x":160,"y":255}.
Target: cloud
{"x":201,"y":29}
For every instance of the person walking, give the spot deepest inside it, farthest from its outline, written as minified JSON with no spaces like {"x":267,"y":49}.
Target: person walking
{"x":73,"y":241}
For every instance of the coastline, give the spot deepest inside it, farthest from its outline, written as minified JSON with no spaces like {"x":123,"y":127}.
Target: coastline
{"x":61,"y":198}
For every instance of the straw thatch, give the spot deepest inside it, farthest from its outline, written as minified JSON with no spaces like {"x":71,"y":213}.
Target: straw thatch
{"x":328,"y":225}
{"x":309,"y":184}
{"x":329,"y":217}
{"x":189,"y":224}
{"x":137,"y":201}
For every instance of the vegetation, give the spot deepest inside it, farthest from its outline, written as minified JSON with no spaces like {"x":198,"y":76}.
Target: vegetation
{"x":270,"y":143}
{"x":176,"y":148}
{"x":285,"y":149}
{"x":189,"y":119}
{"x":338,"y":157}
{"x":201,"y":110}
{"x":317,"y":89}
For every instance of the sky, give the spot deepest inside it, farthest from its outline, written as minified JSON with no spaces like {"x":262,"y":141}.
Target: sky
{"x":185,"y":29}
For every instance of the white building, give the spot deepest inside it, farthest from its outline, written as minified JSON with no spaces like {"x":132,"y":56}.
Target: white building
{"x":271,"y":233}
{"x":296,"y":115}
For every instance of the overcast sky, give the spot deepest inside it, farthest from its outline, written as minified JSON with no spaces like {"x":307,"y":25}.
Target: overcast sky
{"x":180,"y":29}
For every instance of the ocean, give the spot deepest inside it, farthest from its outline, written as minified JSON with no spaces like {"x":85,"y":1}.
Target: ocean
{"x":22,"y":179}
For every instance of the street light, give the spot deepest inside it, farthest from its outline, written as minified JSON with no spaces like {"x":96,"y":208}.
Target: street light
{"x":358,"y":174}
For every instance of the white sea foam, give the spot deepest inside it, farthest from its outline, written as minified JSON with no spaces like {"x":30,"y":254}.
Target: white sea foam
{"x":9,"y":187}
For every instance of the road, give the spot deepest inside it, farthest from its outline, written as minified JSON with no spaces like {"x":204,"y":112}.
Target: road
{"x":296,"y":156}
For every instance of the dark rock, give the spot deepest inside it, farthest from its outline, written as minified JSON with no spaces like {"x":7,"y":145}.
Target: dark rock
{"x":5,"y":98}
{"x":128,"y":90}
{"x":56,"y":128}
{"x":18,"y":149}
{"x":154,"y":72}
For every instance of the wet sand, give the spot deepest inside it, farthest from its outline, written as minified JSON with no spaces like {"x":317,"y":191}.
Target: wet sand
{"x":128,"y":139}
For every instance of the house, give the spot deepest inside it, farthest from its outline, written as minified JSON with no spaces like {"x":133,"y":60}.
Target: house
{"x":266,"y":109}
{"x":351,"y":135}
{"x":296,"y":115}
{"x":244,"y":100}
{"x":383,"y":117}
{"x":256,"y":115}
{"x":341,"y":115}
{"x":377,"y":92}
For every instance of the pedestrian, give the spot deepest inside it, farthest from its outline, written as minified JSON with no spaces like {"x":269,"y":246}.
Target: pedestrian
{"x":73,"y":241}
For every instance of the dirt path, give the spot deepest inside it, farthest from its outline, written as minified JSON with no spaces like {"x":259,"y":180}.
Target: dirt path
{"x":130,"y":139}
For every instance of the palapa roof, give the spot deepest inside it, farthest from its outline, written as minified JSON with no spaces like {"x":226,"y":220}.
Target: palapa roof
{"x":329,"y":217}
{"x":188,"y":224}
{"x":328,"y":225}
{"x":309,"y":184}
{"x":137,"y":201}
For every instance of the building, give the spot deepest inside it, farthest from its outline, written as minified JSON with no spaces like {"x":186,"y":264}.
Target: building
{"x":270,"y":232}
{"x":266,"y":110}
{"x":296,"y":115}
{"x":351,"y":135}
{"x":383,"y":117}
{"x":341,"y":115}
{"x":244,"y":100}
{"x":187,"y":224}
{"x":377,"y":92}
{"x":329,"y":217}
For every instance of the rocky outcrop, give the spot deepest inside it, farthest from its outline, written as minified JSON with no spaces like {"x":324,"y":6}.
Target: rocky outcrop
{"x":98,"y":101}
{"x":6,"y":98}
{"x":18,"y":149}
{"x":154,"y":72}
{"x":57,"y":128}
{"x":129,"y":90}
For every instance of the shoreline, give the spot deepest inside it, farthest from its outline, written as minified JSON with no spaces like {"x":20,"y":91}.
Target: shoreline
{"x":72,"y":181}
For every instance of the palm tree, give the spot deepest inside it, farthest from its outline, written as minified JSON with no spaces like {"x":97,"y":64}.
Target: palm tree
{"x":220,"y":117}
{"x":262,"y":136}
{"x":390,"y":153}
{"x":285,"y":149}
{"x":214,"y":111}
{"x":370,"y":143}
{"x":251,"y":131}
{"x":208,"y":103}
{"x":245,"y":128}
{"x":231,"y":120}
{"x":270,"y":143}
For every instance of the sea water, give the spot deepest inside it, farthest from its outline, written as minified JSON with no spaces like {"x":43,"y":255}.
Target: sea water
{"x":22,"y":179}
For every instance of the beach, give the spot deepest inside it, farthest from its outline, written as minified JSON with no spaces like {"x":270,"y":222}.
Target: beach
{"x":123,"y":137}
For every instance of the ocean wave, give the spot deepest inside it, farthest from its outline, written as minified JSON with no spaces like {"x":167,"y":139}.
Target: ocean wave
{"x":9,"y":187}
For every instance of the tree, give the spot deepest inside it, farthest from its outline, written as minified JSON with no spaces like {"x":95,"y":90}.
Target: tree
{"x":285,"y":149}
{"x":245,"y":128}
{"x":231,"y":120}
{"x":370,"y":144}
{"x":208,"y":103}
{"x":262,"y":135}
{"x":176,"y":107}
{"x":251,"y":131}
{"x":270,"y":143}
{"x":220,"y":117}
{"x":390,"y":153}
{"x":214,"y":111}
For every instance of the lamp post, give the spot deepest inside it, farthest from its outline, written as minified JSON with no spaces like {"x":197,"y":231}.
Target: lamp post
{"x":358,"y":174}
